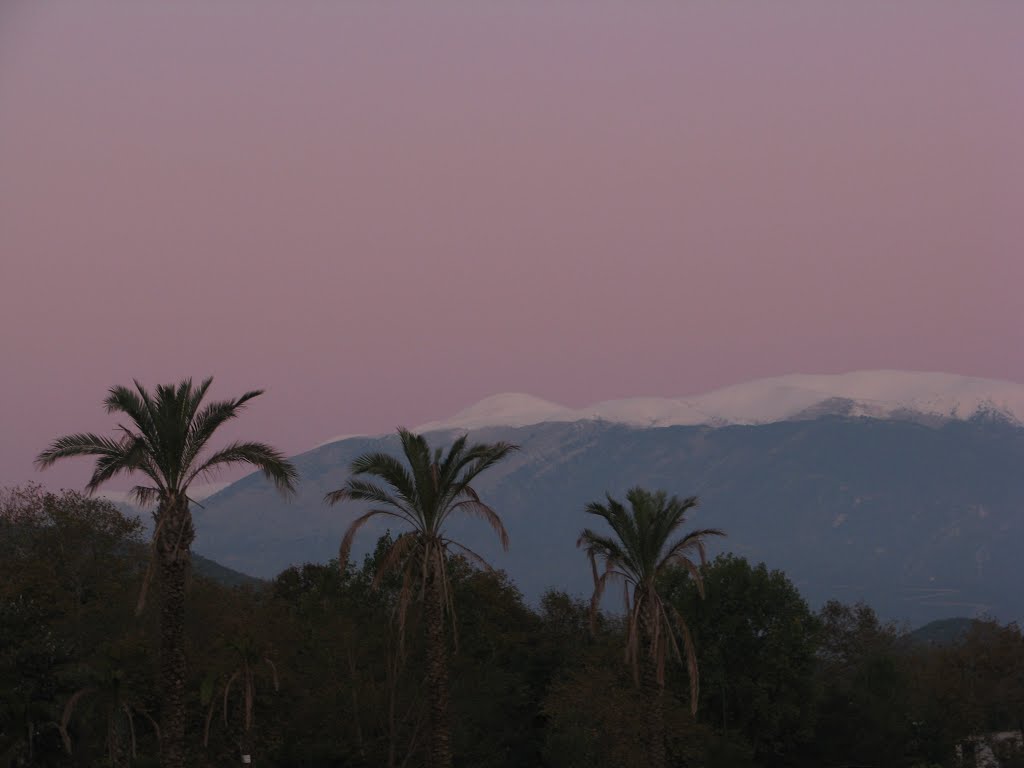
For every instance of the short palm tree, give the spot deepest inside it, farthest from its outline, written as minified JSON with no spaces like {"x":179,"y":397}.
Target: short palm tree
{"x":423,"y":494}
{"x":638,"y":553}
{"x":249,"y":660}
{"x":111,"y":695}
{"x":164,"y":441}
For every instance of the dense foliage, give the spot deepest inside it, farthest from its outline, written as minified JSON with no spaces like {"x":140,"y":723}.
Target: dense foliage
{"x":310,"y":671}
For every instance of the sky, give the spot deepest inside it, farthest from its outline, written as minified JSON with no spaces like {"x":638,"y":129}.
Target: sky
{"x":381,"y":213}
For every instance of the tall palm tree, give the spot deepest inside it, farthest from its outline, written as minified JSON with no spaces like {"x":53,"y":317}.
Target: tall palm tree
{"x":423,"y":495}
{"x":637,"y":555}
{"x":164,"y":441}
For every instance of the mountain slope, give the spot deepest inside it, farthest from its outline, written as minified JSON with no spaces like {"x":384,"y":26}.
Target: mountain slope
{"x":227,"y":577}
{"x":924,"y":522}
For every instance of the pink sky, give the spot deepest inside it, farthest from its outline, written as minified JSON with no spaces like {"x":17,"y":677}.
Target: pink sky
{"x":383,"y":214}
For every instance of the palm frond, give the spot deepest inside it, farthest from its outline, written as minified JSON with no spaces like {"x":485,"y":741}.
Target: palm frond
{"x":479,"y":509}
{"x":65,"y":717}
{"x":390,"y":470}
{"x":691,"y":659}
{"x":133,"y":457}
{"x":448,"y":466}
{"x":395,"y":554}
{"x":404,"y":598}
{"x":483,"y":456}
{"x":465,"y":551}
{"x":136,"y":405}
{"x":145,"y":496}
{"x":227,"y":692}
{"x":81,"y":444}
{"x":207,"y":421}
{"x":611,"y":551}
{"x":273,"y":672}
{"x":131,"y":728}
{"x":417,"y":454}
{"x":361,"y":490}
{"x":274,"y":465}
{"x":600,"y":584}
{"x":353,"y":529}
{"x":148,"y":422}
{"x":693,"y":541}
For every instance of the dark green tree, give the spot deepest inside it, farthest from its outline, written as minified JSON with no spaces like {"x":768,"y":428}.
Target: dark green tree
{"x":968,"y":690}
{"x":757,"y":640}
{"x":864,"y":709}
{"x":68,"y":568}
{"x":494,"y":694}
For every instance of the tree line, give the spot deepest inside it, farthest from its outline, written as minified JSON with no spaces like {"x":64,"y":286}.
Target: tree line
{"x":423,"y":655}
{"x":309,"y":670}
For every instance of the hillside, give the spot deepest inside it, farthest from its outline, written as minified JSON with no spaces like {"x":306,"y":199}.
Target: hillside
{"x":941,"y":632}
{"x":210,"y":569}
{"x":923,"y":522}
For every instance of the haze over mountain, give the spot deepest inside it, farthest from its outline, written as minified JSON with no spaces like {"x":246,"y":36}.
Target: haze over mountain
{"x":902,"y":489}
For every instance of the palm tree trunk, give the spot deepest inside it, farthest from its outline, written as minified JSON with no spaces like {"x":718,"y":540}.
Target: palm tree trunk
{"x":173,"y":542}
{"x":119,"y":750}
{"x":439,"y":753}
{"x":654,"y":717}
{"x":653,"y":694}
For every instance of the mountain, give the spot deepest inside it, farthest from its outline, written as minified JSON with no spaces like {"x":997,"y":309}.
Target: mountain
{"x":916,"y":507}
{"x":879,"y":394}
{"x":214,"y":571}
{"x":941,"y":632}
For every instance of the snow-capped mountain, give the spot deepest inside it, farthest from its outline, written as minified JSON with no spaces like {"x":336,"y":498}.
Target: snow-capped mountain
{"x":877,"y":394}
{"x":917,"y":508}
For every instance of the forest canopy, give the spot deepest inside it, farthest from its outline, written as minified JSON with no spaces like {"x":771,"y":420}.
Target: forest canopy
{"x":310,"y":668}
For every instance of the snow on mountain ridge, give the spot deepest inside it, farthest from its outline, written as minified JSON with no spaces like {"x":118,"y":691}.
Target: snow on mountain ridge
{"x":508,"y":409}
{"x":879,"y":394}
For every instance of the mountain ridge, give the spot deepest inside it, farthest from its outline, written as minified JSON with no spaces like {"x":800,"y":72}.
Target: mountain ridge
{"x":929,"y":397}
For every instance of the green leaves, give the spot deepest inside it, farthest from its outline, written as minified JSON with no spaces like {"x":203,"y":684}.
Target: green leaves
{"x":756,"y":640}
{"x":167,"y":431}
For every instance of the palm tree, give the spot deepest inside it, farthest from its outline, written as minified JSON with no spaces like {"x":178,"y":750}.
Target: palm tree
{"x":637,"y":555}
{"x":112,"y":696}
{"x":423,"y":496}
{"x":167,"y":432}
{"x":244,"y":674}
